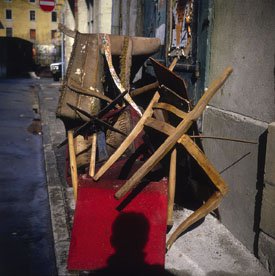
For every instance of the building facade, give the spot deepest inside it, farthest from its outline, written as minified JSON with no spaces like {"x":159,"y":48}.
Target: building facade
{"x":26,"y":20}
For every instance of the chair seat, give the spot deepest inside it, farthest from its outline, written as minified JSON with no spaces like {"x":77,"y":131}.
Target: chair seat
{"x":108,"y":232}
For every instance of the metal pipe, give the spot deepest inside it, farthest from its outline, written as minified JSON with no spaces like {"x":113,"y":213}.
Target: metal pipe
{"x":62,"y":45}
{"x":76,"y":14}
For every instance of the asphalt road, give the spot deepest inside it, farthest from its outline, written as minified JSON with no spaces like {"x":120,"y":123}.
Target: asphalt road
{"x":26,"y":240}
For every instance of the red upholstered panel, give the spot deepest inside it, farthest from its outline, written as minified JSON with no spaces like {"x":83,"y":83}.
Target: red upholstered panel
{"x":108,"y":233}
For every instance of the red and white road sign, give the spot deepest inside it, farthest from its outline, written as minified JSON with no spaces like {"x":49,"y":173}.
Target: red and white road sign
{"x":47,"y":5}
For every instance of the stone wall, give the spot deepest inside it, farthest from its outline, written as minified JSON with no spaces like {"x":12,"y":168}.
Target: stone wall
{"x":266,"y":246}
{"x":242,"y":36}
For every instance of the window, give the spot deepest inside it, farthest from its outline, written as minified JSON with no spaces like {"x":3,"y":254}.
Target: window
{"x":32,"y":34}
{"x":54,"y":34}
{"x":8,"y":14}
{"x":54,"y":16}
{"x":9,"y":32}
{"x":32,"y":15}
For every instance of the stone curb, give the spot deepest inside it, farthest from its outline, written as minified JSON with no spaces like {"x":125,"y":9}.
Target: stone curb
{"x":55,"y":191}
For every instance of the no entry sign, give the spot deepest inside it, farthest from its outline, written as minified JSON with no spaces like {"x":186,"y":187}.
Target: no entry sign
{"x":47,"y":5}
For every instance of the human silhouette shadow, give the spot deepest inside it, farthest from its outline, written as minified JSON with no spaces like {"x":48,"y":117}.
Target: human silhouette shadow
{"x":129,"y":236}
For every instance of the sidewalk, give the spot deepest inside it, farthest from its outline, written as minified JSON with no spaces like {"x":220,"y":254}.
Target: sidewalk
{"x":60,"y":195}
{"x":210,"y":249}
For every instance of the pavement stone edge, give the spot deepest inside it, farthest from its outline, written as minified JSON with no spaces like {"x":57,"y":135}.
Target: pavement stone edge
{"x":56,"y":194}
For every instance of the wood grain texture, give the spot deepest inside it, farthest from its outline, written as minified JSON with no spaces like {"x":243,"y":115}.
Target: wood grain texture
{"x":73,"y":165}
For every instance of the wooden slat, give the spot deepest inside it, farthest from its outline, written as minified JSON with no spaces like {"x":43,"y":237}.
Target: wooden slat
{"x":160,"y":126}
{"x":170,"y":108}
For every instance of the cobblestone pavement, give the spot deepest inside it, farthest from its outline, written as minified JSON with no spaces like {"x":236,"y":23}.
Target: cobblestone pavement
{"x":207,"y":250}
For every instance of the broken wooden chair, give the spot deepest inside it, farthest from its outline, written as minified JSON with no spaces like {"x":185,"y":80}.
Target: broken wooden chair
{"x":83,"y":88}
{"x":161,"y":114}
{"x":84,"y":85}
{"x":176,"y":135}
{"x":89,"y":129}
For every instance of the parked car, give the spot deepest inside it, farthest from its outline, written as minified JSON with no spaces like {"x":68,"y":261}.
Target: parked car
{"x":56,"y":69}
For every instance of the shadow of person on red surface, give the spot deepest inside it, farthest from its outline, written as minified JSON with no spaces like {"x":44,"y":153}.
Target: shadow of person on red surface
{"x":129,"y":237}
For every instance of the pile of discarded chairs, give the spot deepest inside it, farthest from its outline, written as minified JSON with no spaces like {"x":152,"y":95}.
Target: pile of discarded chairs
{"x":124,"y":190}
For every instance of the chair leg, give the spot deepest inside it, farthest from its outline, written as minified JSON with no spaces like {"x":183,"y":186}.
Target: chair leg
{"x":204,"y":163}
{"x":93,"y":156}
{"x":171,"y":187}
{"x":73,"y":165}
{"x":211,"y":204}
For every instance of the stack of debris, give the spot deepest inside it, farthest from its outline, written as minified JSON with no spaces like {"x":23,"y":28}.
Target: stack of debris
{"x":119,"y":151}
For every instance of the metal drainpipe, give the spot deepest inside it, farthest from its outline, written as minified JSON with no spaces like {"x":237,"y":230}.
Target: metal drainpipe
{"x":115,"y":29}
{"x":62,"y":46}
{"x":76,"y":14}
